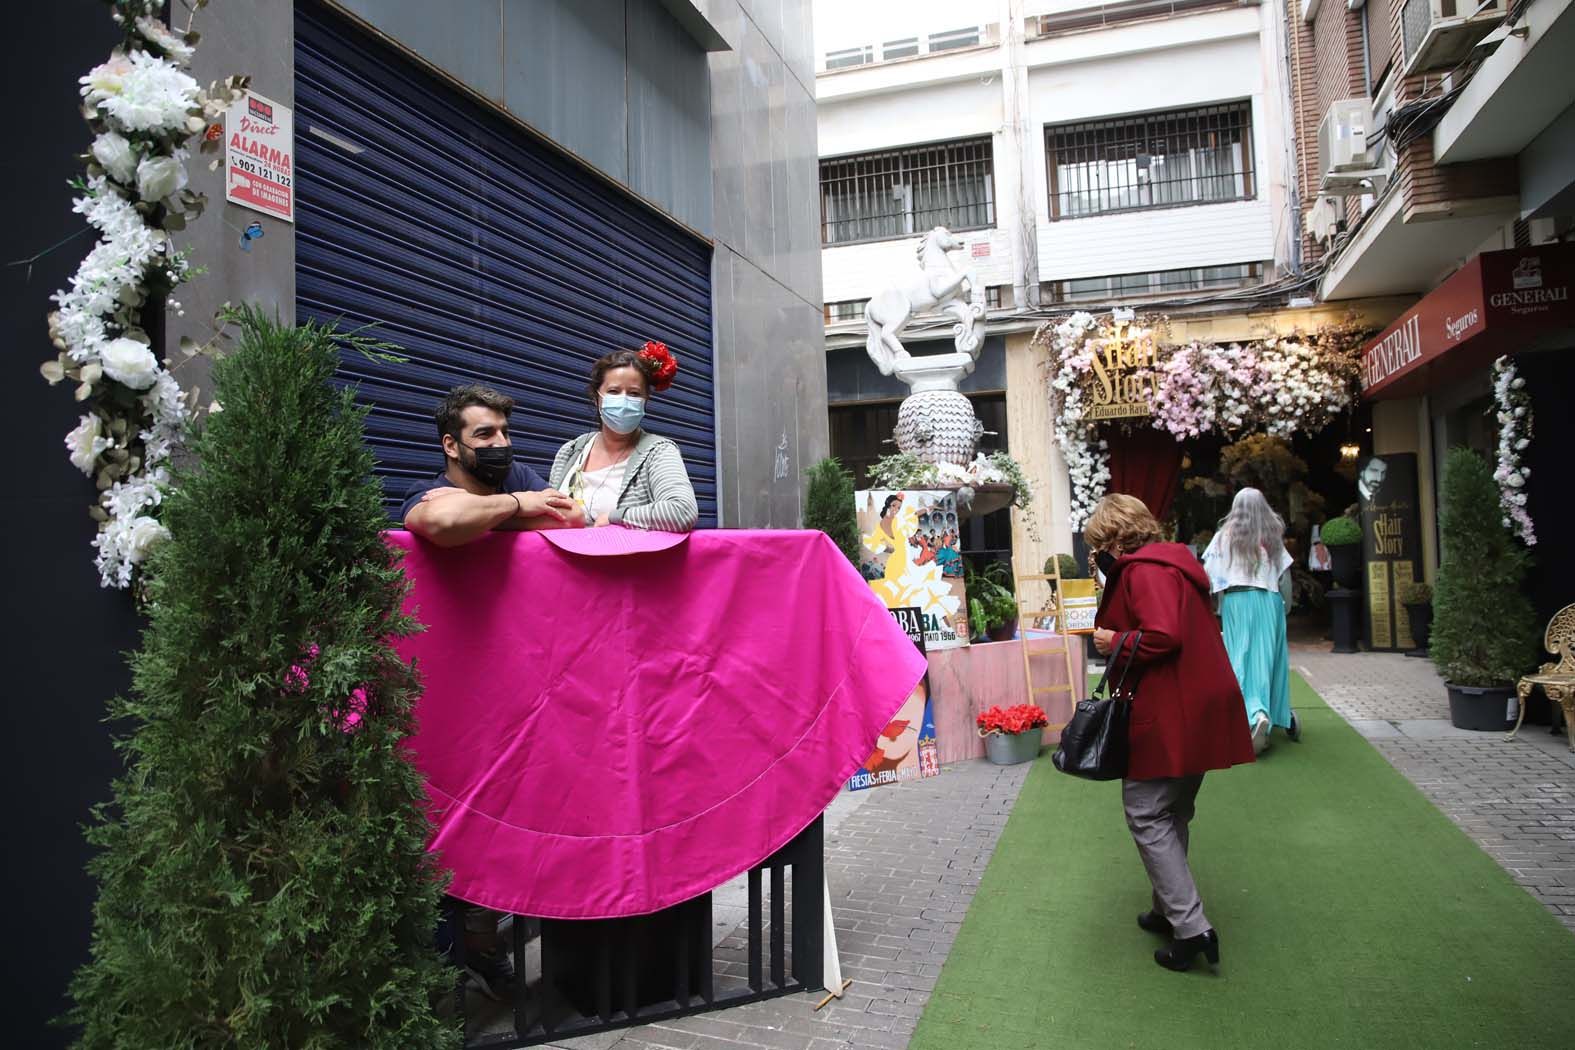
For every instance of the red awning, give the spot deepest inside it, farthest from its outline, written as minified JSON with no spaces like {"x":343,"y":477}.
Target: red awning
{"x":1497,"y":303}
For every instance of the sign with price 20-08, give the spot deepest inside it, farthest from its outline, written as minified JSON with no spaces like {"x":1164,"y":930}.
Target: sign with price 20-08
{"x":259,"y":156}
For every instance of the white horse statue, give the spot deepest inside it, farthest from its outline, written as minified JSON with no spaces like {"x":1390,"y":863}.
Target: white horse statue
{"x":936,"y":422}
{"x":941,"y":284}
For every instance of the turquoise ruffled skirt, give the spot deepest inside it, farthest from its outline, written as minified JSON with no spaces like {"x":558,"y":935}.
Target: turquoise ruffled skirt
{"x":1254,"y":624}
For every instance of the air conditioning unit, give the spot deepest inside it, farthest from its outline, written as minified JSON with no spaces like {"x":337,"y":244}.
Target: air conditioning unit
{"x":1325,"y":219}
{"x":1440,"y":34}
{"x":1349,"y":164}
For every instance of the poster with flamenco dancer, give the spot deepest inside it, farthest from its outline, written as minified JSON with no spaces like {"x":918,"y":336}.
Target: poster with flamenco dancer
{"x":906,"y":749}
{"x":910,"y":555}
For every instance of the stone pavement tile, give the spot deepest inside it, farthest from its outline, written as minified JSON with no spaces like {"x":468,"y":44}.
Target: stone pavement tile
{"x":1515,"y":798}
{"x":903,"y":863}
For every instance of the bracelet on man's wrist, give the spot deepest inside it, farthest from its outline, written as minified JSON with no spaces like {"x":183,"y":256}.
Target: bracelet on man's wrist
{"x":518,"y":506}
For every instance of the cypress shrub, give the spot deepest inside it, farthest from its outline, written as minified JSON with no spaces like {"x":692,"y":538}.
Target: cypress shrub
{"x":1484,"y":626}
{"x":263,"y":874}
{"x":829,"y":506}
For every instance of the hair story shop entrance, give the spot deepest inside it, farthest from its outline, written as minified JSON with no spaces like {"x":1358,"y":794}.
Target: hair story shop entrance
{"x":1184,"y":426}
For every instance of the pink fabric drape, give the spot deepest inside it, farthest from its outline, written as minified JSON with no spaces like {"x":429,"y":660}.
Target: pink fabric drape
{"x":610,"y":732}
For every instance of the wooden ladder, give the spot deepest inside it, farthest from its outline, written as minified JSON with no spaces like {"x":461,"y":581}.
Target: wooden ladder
{"x":1032,"y":618}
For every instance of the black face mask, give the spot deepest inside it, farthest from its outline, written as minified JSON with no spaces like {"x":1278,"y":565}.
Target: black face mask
{"x":1106,"y":562}
{"x":490,"y":463}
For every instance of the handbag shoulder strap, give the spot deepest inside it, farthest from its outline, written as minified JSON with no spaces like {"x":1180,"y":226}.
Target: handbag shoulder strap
{"x":1137,"y":639}
{"x":1110,"y":662}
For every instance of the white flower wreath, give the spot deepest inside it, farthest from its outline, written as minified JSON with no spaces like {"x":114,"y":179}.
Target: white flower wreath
{"x":142,"y":107}
{"x":1514,"y":437}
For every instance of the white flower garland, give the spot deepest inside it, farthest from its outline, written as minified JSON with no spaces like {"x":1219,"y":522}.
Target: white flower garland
{"x":143,"y":108}
{"x":1087,"y":457}
{"x":1514,"y":437}
{"x":1278,"y":385}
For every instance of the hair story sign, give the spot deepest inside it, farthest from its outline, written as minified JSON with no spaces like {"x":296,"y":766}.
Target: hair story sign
{"x":1123,"y":368}
{"x":1494,"y":304}
{"x":259,"y":156}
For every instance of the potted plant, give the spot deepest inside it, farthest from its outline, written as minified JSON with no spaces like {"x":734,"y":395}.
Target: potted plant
{"x":1343,"y":537}
{"x":1012,"y":734}
{"x":1417,"y":597}
{"x":1070,"y":569}
{"x":1484,"y":632}
{"x":992,"y":607}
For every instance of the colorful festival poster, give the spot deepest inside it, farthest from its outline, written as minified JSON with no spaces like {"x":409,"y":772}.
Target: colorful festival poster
{"x":907,"y":747}
{"x":911,"y":557}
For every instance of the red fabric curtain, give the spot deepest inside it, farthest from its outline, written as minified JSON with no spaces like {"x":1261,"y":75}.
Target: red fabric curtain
{"x":1145,"y":463}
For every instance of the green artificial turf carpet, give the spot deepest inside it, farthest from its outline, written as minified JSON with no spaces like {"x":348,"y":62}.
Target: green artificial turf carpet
{"x":1351,"y":914}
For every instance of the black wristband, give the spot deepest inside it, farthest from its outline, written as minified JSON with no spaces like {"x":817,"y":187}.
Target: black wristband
{"x":520,"y":507}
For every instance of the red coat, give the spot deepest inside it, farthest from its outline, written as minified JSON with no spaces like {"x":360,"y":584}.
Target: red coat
{"x":1188,"y":716}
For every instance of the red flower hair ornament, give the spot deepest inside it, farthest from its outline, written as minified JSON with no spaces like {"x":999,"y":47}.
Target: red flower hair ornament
{"x":663,"y":366}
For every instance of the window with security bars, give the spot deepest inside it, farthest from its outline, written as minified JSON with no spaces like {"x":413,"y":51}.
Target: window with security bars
{"x":1151,"y":160}
{"x":845,"y":310}
{"x":1119,"y":287}
{"x":897,"y":193}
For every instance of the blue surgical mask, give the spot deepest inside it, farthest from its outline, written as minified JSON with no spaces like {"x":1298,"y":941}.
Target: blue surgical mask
{"x":623,"y":413}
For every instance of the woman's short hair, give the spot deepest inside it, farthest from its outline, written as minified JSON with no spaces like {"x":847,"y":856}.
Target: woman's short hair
{"x":1121,"y":522}
{"x":617,"y":359}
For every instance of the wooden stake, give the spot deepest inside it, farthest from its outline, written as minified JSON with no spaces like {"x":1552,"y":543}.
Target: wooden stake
{"x":834,"y":995}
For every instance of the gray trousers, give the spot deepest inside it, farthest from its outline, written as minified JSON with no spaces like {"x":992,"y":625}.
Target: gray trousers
{"x":1158,"y":813}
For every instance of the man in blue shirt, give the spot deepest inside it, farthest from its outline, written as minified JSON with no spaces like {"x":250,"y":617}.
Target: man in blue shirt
{"x":482,"y":487}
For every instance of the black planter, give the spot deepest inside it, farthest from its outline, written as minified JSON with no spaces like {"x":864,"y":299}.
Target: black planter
{"x":1345,"y":619}
{"x":1485,"y":708}
{"x":1421,"y":616}
{"x":1346,"y":563}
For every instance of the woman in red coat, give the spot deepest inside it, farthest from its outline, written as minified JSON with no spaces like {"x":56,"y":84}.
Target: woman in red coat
{"x":1186,"y":715}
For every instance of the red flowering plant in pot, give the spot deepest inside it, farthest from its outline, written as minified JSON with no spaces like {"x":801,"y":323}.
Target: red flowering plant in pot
{"x":1012,"y":734}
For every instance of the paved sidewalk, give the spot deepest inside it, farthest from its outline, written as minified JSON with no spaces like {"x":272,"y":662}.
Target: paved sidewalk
{"x":903,"y":863}
{"x":1516,"y":798}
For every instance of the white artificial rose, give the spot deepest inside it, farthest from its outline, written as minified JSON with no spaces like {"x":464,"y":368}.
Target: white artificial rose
{"x":157,"y":33}
{"x":143,"y":535}
{"x":86,"y":442}
{"x":153,"y":95}
{"x":116,"y":156}
{"x":129,"y":362}
{"x":158,"y":177}
{"x":106,"y":80}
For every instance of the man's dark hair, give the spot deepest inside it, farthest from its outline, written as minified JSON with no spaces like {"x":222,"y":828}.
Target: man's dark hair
{"x":450,"y":414}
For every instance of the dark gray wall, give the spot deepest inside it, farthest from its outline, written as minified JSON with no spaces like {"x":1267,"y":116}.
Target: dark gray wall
{"x":771,"y":367}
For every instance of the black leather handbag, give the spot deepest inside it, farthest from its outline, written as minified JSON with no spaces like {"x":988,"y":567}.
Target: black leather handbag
{"x":1094,"y":743}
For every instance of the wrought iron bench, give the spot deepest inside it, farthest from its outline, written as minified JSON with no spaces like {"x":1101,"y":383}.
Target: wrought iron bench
{"x":1557,"y":678}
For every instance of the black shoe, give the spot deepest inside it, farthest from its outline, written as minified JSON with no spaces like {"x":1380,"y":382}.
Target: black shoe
{"x":1295,"y":731}
{"x":1178,"y":954}
{"x":1154,"y":922}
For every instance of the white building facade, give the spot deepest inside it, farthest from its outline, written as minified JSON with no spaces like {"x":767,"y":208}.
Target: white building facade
{"x":1089,"y":155}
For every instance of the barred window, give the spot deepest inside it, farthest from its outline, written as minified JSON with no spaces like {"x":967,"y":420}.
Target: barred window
{"x":1118,"y":287}
{"x":897,"y":193}
{"x":892,"y":49}
{"x":850,"y":56}
{"x":1152,"y":160}
{"x":845,"y":310}
{"x":954,"y":38}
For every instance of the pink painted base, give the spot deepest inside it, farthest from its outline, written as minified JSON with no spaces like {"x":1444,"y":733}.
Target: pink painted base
{"x":966,"y":681}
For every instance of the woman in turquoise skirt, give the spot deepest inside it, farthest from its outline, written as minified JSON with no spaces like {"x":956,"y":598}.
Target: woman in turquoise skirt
{"x":1248,"y":566}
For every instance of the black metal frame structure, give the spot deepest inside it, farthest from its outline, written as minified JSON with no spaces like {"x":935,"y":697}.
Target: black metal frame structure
{"x":903,"y":192}
{"x":1121,"y":158}
{"x":649,"y":968}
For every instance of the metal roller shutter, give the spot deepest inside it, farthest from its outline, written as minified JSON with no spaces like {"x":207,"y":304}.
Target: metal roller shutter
{"x":485,"y":255}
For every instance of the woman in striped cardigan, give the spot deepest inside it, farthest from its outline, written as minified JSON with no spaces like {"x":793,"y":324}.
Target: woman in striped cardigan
{"x":621,"y":474}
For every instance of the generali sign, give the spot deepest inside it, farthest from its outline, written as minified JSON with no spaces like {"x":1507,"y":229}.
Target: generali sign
{"x":1487,"y":307}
